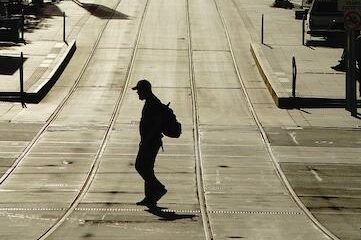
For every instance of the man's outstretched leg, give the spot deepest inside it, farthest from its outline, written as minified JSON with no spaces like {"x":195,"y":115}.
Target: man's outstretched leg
{"x":153,"y":188}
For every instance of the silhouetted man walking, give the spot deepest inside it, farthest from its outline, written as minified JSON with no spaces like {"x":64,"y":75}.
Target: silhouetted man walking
{"x":150,"y":142}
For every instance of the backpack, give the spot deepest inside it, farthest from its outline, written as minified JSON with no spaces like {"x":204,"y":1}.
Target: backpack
{"x":170,"y":126}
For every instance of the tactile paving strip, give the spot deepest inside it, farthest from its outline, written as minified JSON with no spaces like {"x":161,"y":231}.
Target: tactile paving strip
{"x":163,"y":210}
{"x":35,"y":76}
{"x":256,"y":212}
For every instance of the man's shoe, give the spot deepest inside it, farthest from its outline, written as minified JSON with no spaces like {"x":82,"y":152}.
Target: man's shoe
{"x":148,"y":203}
{"x":151,"y":204}
{"x":144,"y":202}
{"x":339,"y":67}
{"x":158,"y":195}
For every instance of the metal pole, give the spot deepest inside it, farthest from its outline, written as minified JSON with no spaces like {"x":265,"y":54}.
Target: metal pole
{"x":303,"y":29}
{"x":22,"y":80}
{"x":262,"y":29}
{"x":294,"y":76}
{"x":351,"y":99}
{"x":353,"y":86}
{"x":348,"y":73}
{"x":64,"y":27}
{"x":22,"y":24}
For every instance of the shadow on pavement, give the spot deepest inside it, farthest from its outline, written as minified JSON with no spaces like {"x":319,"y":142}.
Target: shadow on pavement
{"x":325,"y":43}
{"x":9,"y":65}
{"x":34,"y":16}
{"x":167,"y":215}
{"x":283,"y":4}
{"x":4,"y":45}
{"x":305,"y":102}
{"x":102,"y":11}
{"x":49,"y":10}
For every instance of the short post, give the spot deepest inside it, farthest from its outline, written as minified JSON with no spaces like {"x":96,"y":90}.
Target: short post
{"x":351,"y":99}
{"x":22,"y":23}
{"x":64,"y":27}
{"x":303,"y":29}
{"x":22,"y":100}
{"x":294,"y":76}
{"x":262,"y":29}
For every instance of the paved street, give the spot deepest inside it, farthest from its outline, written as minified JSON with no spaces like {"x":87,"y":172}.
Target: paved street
{"x":242,"y":169}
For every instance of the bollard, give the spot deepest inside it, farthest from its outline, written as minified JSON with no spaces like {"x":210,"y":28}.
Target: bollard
{"x":294,"y":76}
{"x":22,"y":24}
{"x":262,"y":29}
{"x":64,"y":27}
{"x":303,"y":29}
{"x":22,"y":100}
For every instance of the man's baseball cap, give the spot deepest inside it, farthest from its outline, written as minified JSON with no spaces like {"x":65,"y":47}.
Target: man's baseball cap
{"x":143,"y":85}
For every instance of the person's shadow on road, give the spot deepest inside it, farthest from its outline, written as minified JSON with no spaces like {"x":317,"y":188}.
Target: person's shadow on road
{"x":168,"y":215}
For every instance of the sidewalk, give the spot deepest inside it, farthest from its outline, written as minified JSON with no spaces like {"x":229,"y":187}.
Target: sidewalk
{"x":45,"y":52}
{"x":317,"y":84}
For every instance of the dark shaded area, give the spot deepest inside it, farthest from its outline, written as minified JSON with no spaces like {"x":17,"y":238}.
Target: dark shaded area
{"x":235,"y":237}
{"x":168,"y":215}
{"x":9,"y":65}
{"x":88,"y":235}
{"x":335,"y":200}
{"x":34,"y":16}
{"x":102,"y":11}
{"x":329,"y":43}
{"x":4,"y":45}
{"x":283,"y":4}
{"x":318,"y":137}
{"x":10,"y":29}
{"x":47,"y":10}
{"x":223,"y":166}
{"x":304,"y":102}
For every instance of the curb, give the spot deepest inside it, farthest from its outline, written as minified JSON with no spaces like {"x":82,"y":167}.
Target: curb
{"x":36,"y":95}
{"x":279,"y":95}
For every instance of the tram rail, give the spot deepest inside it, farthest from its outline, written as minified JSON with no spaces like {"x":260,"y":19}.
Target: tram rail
{"x":265,"y":139}
{"x":198,"y":154}
{"x":95,"y":165}
{"x":56,"y":112}
{"x":97,"y":159}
